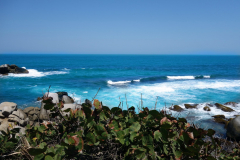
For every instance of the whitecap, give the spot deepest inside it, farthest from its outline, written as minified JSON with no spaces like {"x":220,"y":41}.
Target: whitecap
{"x":118,"y":82}
{"x":180,"y":77}
{"x":206,"y":76}
{"x":85,"y":92}
{"x":137,"y":80}
{"x":24,"y":67}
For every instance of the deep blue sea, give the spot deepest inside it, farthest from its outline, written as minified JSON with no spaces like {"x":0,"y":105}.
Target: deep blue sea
{"x":174,"y":79}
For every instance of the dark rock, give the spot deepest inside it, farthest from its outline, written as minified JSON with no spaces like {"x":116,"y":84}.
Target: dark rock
{"x":234,"y":104}
{"x":206,"y":108}
{"x":190,"y":106}
{"x":177,"y":108}
{"x":223,"y":108}
{"x":88,"y":102}
{"x":219,"y":116}
{"x":6,"y":68}
{"x":233,"y":129}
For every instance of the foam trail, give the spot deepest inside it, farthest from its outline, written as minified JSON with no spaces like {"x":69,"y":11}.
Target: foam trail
{"x":118,"y":82}
{"x":206,"y":76}
{"x":33,"y":73}
{"x":85,"y":92}
{"x":180,"y":77}
{"x":137,"y":80}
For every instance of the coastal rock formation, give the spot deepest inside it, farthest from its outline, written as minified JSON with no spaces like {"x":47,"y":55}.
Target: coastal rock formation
{"x":223,"y":108}
{"x":55,"y":98}
{"x":233,"y":129}
{"x":234,"y":104}
{"x":6,"y":68}
{"x":190,"y":106}
{"x":7,"y":108}
{"x":206,"y":108}
{"x":177,"y":108}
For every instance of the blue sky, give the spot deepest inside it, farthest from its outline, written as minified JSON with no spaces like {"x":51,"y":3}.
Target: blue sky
{"x":120,"y":27}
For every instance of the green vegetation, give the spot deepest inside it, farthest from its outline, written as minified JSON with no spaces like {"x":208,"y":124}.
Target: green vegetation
{"x":105,"y":133}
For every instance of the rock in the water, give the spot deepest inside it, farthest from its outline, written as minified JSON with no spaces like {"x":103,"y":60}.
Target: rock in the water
{"x":7,"y":108}
{"x":20,"y":114}
{"x":53,"y":95}
{"x":233,"y":129}
{"x":219,"y":116}
{"x":223,"y":108}
{"x":234,"y":104}
{"x":6,"y":68}
{"x":206,"y":108}
{"x":177,"y":108}
{"x":67,"y":99}
{"x":190,"y":106}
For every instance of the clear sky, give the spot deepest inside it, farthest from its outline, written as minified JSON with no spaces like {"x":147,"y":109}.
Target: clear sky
{"x":120,"y":26}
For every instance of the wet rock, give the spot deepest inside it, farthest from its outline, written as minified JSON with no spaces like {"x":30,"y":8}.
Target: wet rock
{"x":223,"y":108}
{"x":177,"y":108}
{"x":54,"y":96}
{"x":206,"y":108}
{"x":233,"y":129}
{"x":190,"y":106}
{"x":219,"y":116}
{"x":7,"y":108}
{"x":210,"y":105}
{"x":234,"y":104}
{"x":6,"y":68}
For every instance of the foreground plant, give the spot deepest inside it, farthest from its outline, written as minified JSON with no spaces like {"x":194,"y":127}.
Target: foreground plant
{"x":104,"y":133}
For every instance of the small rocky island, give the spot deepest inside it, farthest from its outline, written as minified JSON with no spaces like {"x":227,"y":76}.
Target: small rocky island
{"x":5,"y":69}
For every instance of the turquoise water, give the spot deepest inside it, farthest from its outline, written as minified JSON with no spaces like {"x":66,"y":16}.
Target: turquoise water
{"x":174,"y":79}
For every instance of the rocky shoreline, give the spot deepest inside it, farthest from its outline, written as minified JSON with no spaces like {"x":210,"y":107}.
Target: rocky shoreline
{"x":13,"y":117}
{"x":5,"y":69}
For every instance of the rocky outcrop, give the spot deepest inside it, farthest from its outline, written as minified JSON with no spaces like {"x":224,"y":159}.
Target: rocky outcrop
{"x":177,"y":108}
{"x":223,"y":108}
{"x":190,"y":106}
{"x":206,"y":108}
{"x":5,"y":69}
{"x":7,"y":108}
{"x":67,"y":100}
{"x":233,"y":129}
{"x":234,"y":104}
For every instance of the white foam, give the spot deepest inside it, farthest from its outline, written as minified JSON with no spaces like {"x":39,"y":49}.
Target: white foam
{"x":24,"y":67}
{"x":85,"y":92}
{"x":206,"y":76}
{"x":65,"y":69}
{"x":35,"y":73}
{"x":180,"y":77}
{"x":137,"y":80}
{"x":118,"y":82}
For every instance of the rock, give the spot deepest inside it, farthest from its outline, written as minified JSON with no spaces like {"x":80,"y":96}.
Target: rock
{"x":71,"y":106}
{"x":5,"y":124}
{"x":7,"y":108}
{"x":233,"y":129}
{"x":67,"y":99}
{"x":234,"y":104}
{"x":61,"y":94}
{"x":26,"y":110}
{"x":6,"y":68}
{"x":190,"y":106}
{"x":177,"y":108}
{"x":210,"y":105}
{"x":53,"y":95}
{"x":88,"y":102}
{"x":20,"y":114}
{"x":14,"y":118}
{"x":219,"y":116}
{"x":206,"y":108}
{"x":22,"y":130}
{"x":34,"y":117}
{"x":36,"y":111}
{"x":39,"y":99}
{"x":223,"y":108}
{"x":1,"y":115}
{"x":43,"y":114}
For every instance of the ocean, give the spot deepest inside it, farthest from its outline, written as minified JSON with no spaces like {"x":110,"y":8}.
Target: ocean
{"x":171,"y":79}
